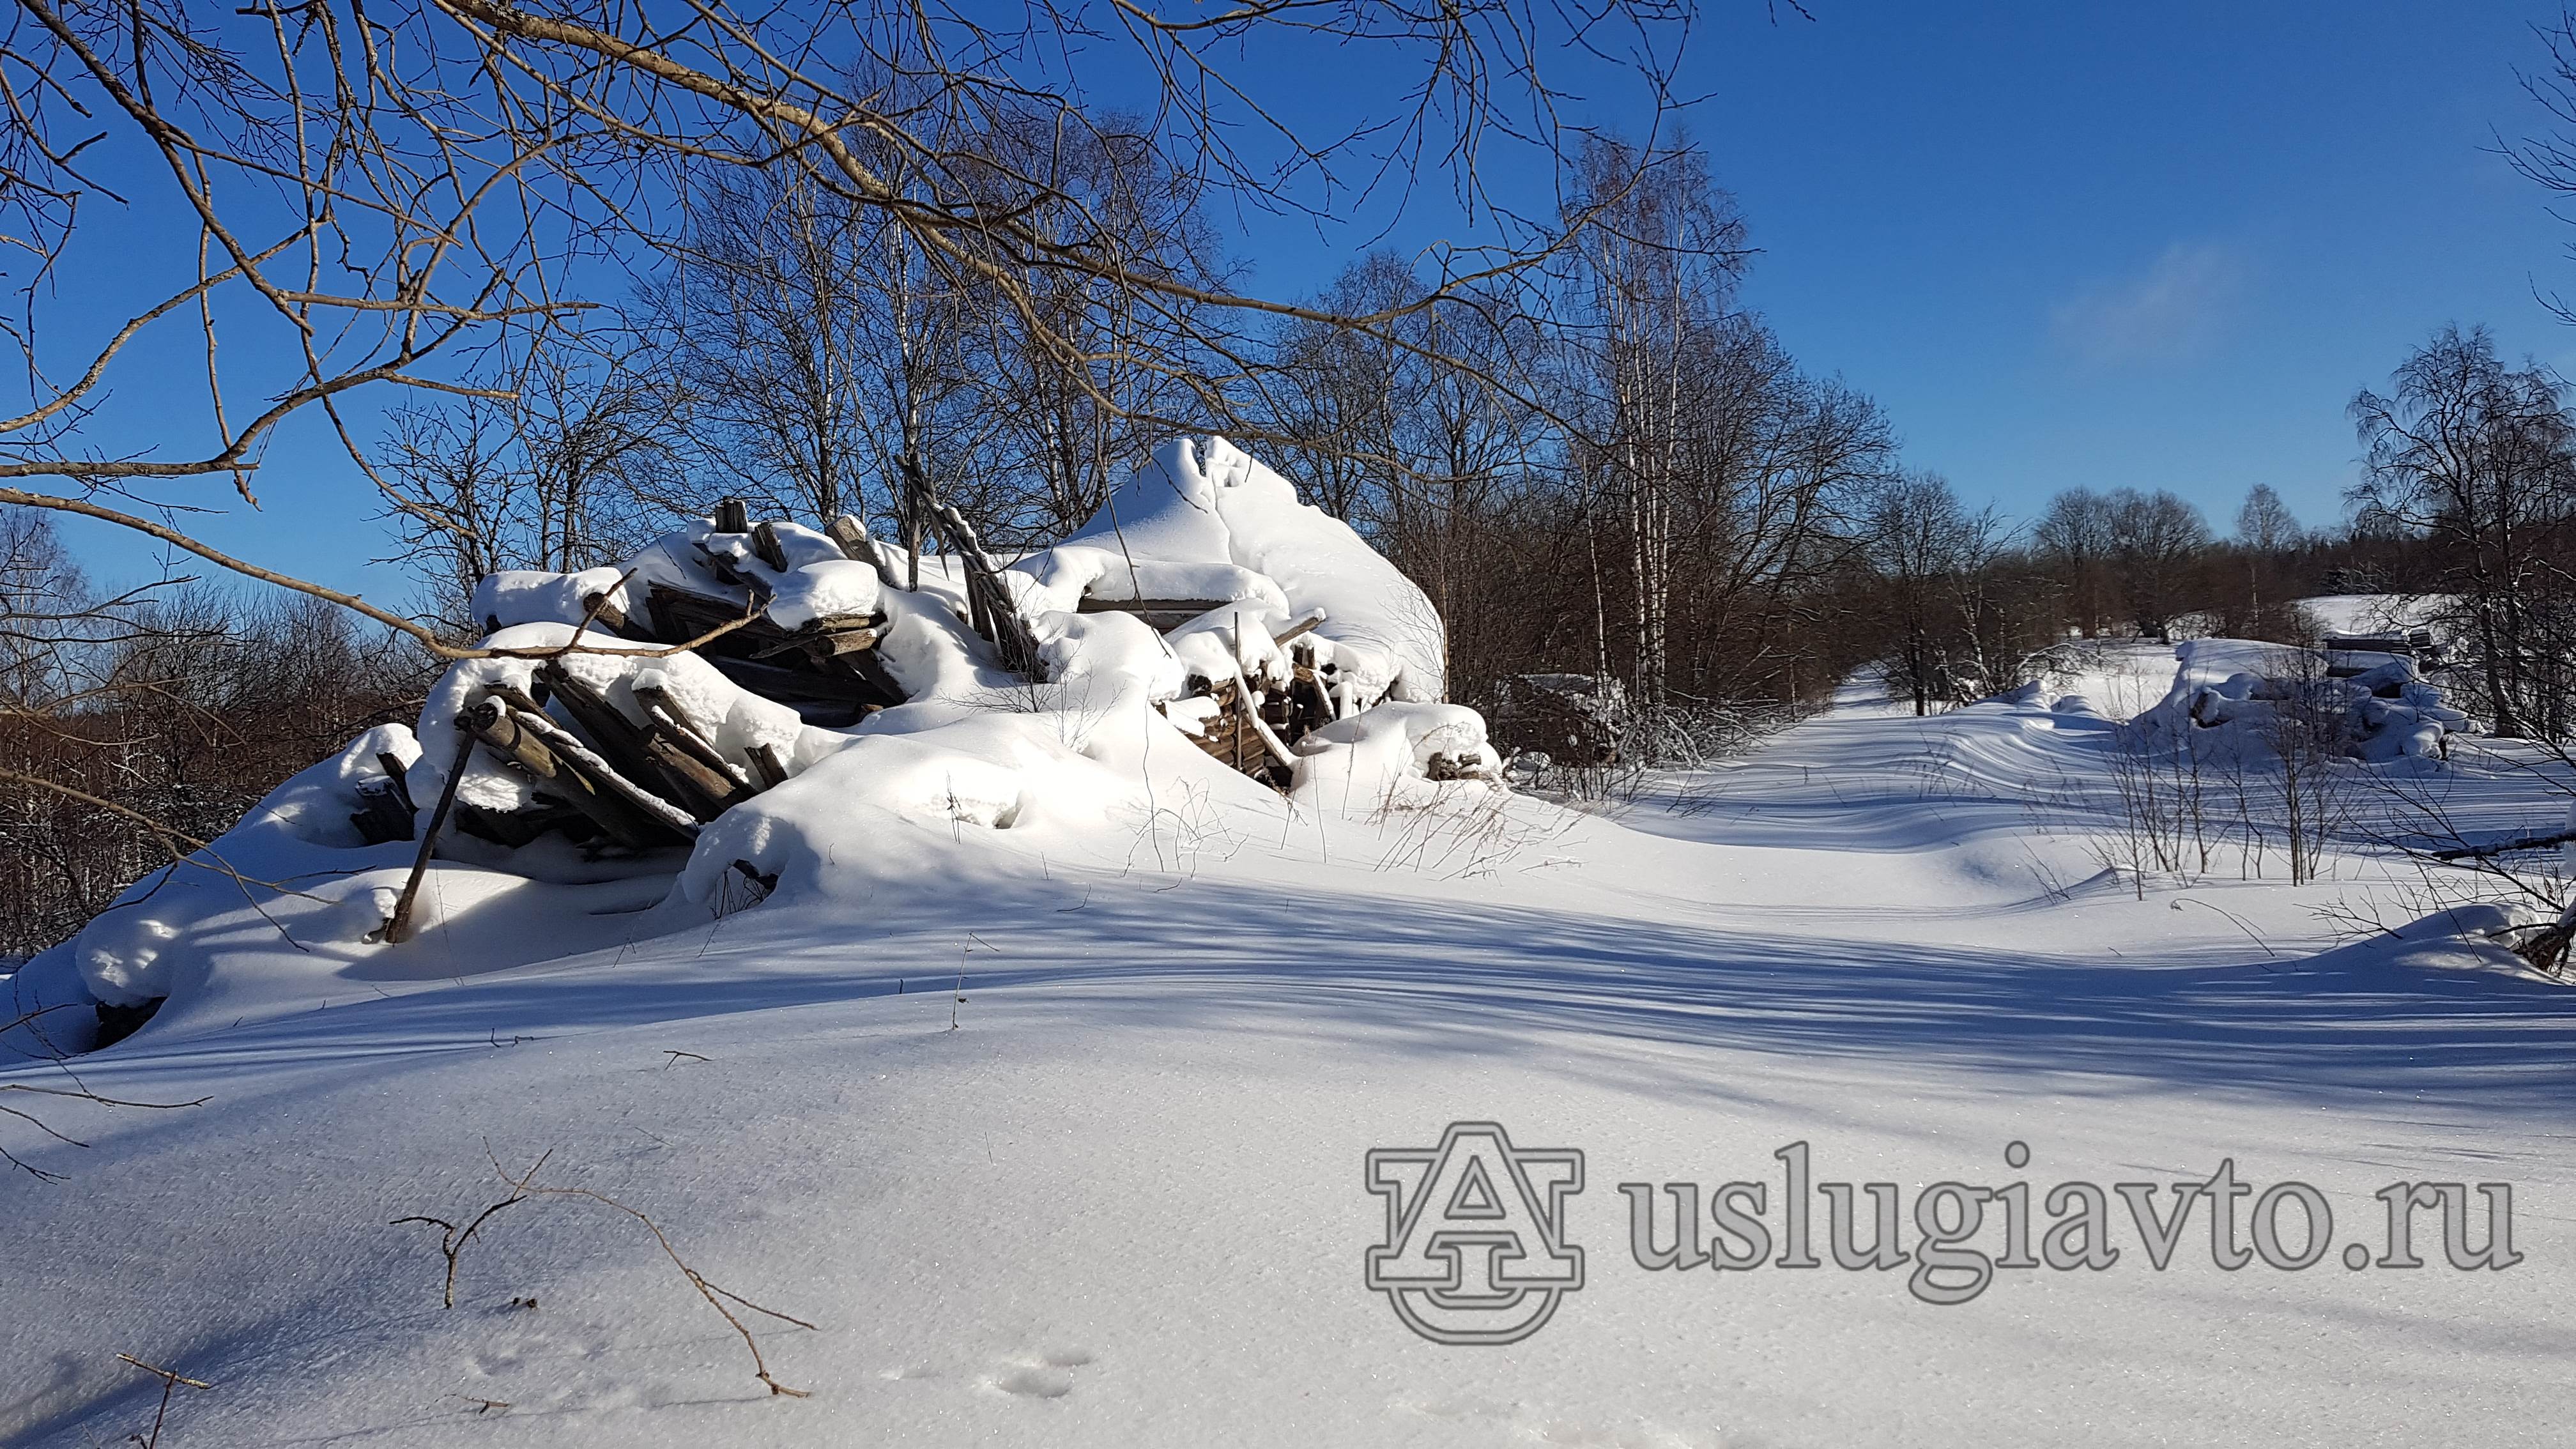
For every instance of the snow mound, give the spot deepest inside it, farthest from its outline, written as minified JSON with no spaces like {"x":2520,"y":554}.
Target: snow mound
{"x":603,"y":784}
{"x":2376,"y":709}
{"x":1206,"y":521}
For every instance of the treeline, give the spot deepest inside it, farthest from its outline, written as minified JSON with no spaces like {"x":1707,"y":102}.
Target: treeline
{"x":1603,"y":466}
{"x":1600,"y":463}
{"x":135,"y":726}
{"x":2466,"y":509}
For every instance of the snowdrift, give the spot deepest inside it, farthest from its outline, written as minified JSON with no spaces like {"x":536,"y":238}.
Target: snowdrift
{"x":771,"y":713}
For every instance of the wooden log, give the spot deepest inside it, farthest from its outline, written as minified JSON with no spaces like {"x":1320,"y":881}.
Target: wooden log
{"x":610,"y":731}
{"x":851,"y":533}
{"x":709,"y":793}
{"x":664,"y":710}
{"x":1162,"y":615}
{"x":632,"y":748}
{"x":1304,"y":625}
{"x":838,"y":663}
{"x":397,"y":927}
{"x":512,"y":735}
{"x":582,"y":761}
{"x":732,"y":515}
{"x":845,"y":634}
{"x":771,"y":769}
{"x":824,"y":639}
{"x":764,"y":542}
{"x":609,"y":616}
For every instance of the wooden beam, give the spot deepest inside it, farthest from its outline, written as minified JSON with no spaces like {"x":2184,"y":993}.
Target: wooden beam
{"x":517,"y":737}
{"x":397,"y":927}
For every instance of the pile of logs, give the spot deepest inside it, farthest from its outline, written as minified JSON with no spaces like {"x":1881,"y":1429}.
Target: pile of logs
{"x":1258,"y":723}
{"x":827,"y":670}
{"x":601,"y":775}
{"x":605,"y":779}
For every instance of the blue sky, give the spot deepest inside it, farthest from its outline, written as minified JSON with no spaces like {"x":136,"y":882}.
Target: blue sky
{"x":2150,"y":246}
{"x":2140,"y":245}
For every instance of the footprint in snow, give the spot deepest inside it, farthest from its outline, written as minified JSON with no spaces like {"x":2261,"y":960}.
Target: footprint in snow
{"x":1035,"y":1383}
{"x":1046,"y":1376}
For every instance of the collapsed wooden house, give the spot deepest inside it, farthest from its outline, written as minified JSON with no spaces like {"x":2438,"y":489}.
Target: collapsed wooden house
{"x":704,"y":724}
{"x":647,"y":775}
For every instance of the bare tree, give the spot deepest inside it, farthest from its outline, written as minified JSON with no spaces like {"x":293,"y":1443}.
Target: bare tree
{"x":2480,"y":459}
{"x":564,"y":470}
{"x":1659,"y":269}
{"x":2074,"y":537}
{"x":1929,"y":550}
{"x":2156,"y":540}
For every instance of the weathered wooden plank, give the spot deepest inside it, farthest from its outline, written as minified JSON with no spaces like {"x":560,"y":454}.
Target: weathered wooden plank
{"x":519,"y":737}
{"x":665,"y":711}
{"x":1164,"y":615}
{"x":397,"y":927}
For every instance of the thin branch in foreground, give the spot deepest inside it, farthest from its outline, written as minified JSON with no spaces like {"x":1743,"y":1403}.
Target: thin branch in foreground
{"x":709,"y":1291}
{"x":523,"y":1187}
{"x":170,"y":1383}
{"x":452,"y":1239}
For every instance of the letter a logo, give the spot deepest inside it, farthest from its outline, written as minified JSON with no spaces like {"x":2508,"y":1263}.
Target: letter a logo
{"x":1475,"y":1248}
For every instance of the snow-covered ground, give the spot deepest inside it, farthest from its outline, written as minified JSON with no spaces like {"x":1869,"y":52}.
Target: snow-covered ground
{"x":1112,"y":1191}
{"x":2372,"y":613}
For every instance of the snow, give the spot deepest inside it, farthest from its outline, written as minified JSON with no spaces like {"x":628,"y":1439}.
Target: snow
{"x":1067,"y":768}
{"x":2372,"y":613}
{"x":1041,"y":1083}
{"x":1207,"y":521}
{"x":829,"y":588}
{"x":528,"y":596}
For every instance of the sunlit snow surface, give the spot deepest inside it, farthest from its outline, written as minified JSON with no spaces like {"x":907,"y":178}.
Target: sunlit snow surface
{"x":1122,"y":1201}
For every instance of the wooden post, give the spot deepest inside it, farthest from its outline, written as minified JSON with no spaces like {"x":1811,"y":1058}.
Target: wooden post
{"x":610,"y":617}
{"x":764,"y":542}
{"x":398,"y":925}
{"x":732,"y":516}
{"x":851,"y":533}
